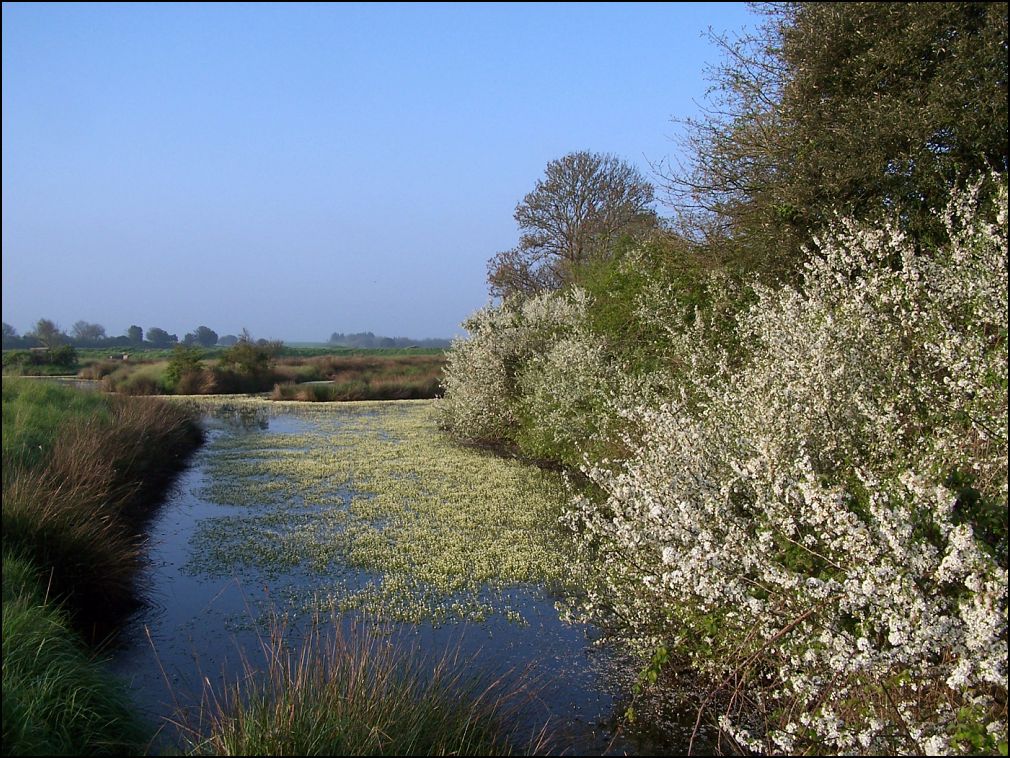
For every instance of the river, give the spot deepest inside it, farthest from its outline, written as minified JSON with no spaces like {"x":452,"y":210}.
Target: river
{"x":353,"y":511}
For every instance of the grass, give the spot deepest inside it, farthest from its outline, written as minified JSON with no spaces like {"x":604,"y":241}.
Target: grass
{"x":57,"y":699}
{"x":351,"y":692}
{"x":79,"y":474}
{"x":79,"y":471}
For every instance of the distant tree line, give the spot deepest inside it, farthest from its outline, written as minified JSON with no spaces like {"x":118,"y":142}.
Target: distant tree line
{"x":368,"y":339}
{"x":47,"y":334}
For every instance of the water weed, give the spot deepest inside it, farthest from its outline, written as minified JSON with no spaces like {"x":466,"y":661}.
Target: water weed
{"x":438,"y":531}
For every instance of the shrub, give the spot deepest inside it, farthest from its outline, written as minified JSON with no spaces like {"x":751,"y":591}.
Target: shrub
{"x":529,"y":374}
{"x":185,"y":363}
{"x":822,"y":527}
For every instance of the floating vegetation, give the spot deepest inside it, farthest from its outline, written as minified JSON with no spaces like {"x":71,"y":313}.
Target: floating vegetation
{"x":379,"y":510}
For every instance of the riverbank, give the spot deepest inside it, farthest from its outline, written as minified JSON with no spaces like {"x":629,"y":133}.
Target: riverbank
{"x":81,"y":475}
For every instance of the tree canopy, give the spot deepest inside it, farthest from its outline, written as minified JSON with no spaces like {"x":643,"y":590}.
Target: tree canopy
{"x":574,"y":213}
{"x":847,"y":108}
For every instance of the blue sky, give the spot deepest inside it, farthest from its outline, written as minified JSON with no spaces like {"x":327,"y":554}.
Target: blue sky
{"x":304,"y":169}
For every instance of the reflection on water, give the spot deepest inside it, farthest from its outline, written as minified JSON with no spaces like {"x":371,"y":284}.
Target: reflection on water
{"x":242,"y":417}
{"x":202,"y":622}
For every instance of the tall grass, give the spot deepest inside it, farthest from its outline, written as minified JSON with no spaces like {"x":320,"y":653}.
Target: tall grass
{"x":355,"y":693}
{"x":57,"y":700}
{"x":79,"y":473}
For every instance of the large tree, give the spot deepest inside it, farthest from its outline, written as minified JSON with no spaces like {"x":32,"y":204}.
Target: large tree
{"x":84,"y":331}
{"x":205,"y":336}
{"x":48,"y":333}
{"x":575,"y":213}
{"x":158,"y":337}
{"x":848,"y":108}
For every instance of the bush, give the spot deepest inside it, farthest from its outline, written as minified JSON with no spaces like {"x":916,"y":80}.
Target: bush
{"x":530,"y":374}
{"x":185,"y":364}
{"x":823,"y":525}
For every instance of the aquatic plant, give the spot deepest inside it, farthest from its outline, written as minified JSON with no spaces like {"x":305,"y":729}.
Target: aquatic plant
{"x":393,"y":517}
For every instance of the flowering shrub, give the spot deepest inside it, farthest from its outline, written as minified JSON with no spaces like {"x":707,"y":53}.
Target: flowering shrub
{"x":530,"y":373}
{"x":823,"y":528}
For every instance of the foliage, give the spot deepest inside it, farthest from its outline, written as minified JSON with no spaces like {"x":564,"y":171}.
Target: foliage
{"x":78,"y":472}
{"x":84,"y":331}
{"x":48,"y":333}
{"x":848,"y":108}
{"x":73,"y":464}
{"x":159,"y":338}
{"x":824,"y":526}
{"x":530,"y":373}
{"x":185,"y":365}
{"x":60,"y":359}
{"x":574,"y":214}
{"x":370,"y":340}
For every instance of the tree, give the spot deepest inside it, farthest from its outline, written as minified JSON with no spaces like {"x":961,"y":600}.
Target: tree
{"x":185,"y":363}
{"x":575,"y":213}
{"x":160,"y":338}
{"x":48,"y":333}
{"x":227,"y":340}
{"x":10,"y":336}
{"x":847,"y":108}
{"x":135,"y":335}
{"x":83,"y":331}
{"x":205,"y":336}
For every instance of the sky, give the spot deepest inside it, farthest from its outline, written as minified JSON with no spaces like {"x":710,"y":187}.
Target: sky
{"x":298,"y":170}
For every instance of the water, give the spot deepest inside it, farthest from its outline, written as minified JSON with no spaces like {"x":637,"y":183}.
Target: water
{"x":201,"y":621}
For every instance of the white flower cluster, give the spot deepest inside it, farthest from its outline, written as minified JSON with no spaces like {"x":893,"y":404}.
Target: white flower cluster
{"x":531,"y":373}
{"x":825,"y":528}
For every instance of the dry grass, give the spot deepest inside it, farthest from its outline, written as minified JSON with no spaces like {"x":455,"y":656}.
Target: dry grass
{"x":74,"y":507}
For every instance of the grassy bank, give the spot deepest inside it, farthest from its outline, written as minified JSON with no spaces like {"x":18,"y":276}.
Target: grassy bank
{"x":57,"y":700}
{"x":80,"y":473}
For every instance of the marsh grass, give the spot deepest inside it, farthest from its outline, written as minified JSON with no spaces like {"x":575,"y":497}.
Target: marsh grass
{"x":80,"y":473}
{"x":410,"y":377}
{"x":353,"y":691}
{"x":57,"y":699}
{"x":377,"y":376}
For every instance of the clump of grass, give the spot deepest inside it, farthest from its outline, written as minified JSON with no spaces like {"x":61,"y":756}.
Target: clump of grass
{"x":57,"y":700}
{"x":354,"y":693}
{"x":138,"y":379}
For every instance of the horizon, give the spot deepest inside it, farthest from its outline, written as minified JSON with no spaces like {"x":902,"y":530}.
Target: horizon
{"x":306,"y":169}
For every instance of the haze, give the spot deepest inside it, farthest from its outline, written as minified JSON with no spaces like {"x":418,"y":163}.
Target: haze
{"x":303,"y":169}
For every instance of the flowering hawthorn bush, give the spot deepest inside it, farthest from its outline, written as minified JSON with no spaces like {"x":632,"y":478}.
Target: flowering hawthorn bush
{"x":823,"y":528}
{"x":530,"y":373}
